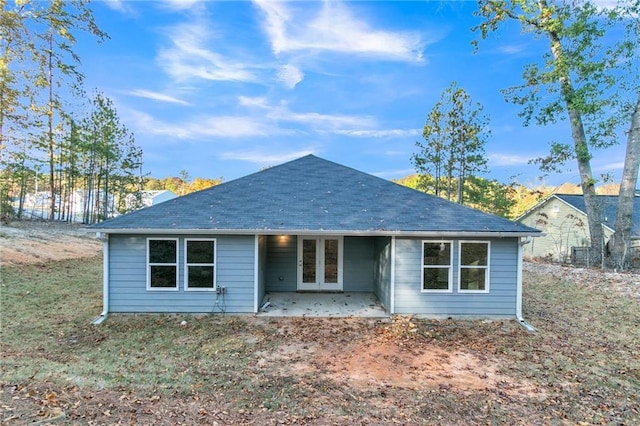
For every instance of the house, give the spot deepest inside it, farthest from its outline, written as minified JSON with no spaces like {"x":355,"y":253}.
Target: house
{"x":563,"y":219}
{"x":147,"y":199}
{"x":313,"y":225}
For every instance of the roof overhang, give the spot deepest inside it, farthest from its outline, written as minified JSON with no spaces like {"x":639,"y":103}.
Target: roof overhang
{"x":354,"y":233}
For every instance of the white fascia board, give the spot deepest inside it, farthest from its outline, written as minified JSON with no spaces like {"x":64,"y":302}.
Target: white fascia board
{"x":417,"y":234}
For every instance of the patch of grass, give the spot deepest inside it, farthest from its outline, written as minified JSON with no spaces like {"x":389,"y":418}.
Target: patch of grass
{"x":583,"y":363}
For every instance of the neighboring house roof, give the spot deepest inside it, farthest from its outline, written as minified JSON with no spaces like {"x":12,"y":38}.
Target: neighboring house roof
{"x":609,"y":206}
{"x":156,"y":192}
{"x":313,"y":195}
{"x":152,"y":197}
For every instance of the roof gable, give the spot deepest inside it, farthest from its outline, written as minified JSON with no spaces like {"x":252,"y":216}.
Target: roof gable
{"x":311,"y":194}
{"x":608,"y":204}
{"x":609,"y":208}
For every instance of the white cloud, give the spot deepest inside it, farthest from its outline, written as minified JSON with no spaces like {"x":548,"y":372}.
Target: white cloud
{"x":258,"y":102}
{"x":179,"y":4}
{"x":143,"y":123}
{"x":322,"y":121}
{"x":381,"y":133}
{"x":265,"y":157}
{"x":508,"y":159}
{"x":512,"y":49}
{"x":233,"y":127}
{"x":316,"y":121}
{"x":188,"y":57}
{"x":260,"y":120}
{"x":335,"y":29}
{"x":157,"y":96}
{"x":203,"y":127}
{"x":119,"y":6}
{"x":290,"y":75}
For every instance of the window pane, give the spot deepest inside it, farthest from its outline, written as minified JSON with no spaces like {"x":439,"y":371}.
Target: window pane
{"x":472,"y":278}
{"x":436,"y":279}
{"x":474,"y":253}
{"x":162,"y":251}
{"x":437,"y":253}
{"x":200,"y":251}
{"x":200,"y":276}
{"x":163,"y":276}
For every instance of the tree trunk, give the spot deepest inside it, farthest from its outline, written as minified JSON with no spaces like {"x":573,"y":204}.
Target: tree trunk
{"x":624,"y":224}
{"x":581,"y":147}
{"x":51,"y":153}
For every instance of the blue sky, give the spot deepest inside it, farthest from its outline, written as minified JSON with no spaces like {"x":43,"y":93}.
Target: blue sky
{"x":224,"y":89}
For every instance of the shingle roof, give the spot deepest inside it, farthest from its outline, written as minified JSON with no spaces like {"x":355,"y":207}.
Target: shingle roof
{"x":609,"y":206}
{"x":311,"y":194}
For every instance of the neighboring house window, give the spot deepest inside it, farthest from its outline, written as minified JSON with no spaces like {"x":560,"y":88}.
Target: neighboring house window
{"x":162,"y":261}
{"x":474,"y":267}
{"x":200,"y":264}
{"x":436,"y":266}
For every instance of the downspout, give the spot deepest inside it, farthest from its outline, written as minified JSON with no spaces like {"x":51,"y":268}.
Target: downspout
{"x":256,"y":272}
{"x":392,"y":296}
{"x":519,"y":317}
{"x":105,"y":280}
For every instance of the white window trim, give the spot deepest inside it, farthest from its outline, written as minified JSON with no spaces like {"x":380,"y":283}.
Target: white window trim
{"x":486,"y":267}
{"x":450,"y":287}
{"x":214,"y":264}
{"x":149,"y":265}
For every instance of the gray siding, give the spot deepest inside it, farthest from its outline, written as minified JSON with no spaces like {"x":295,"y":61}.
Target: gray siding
{"x":358,"y":267}
{"x":499,"y":302}
{"x":358,"y":264}
{"x":128,"y":274}
{"x":281,"y":273}
{"x":382,"y":271}
{"x":564,"y":227}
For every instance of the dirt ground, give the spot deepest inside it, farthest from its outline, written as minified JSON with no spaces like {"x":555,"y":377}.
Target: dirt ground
{"x":24,"y":242}
{"x":387,"y":359}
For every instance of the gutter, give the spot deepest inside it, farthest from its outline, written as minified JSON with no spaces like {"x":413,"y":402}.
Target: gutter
{"x":519,"y":317}
{"x":105,"y":279}
{"x":343,"y":232}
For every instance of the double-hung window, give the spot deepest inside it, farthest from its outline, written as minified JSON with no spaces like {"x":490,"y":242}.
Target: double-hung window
{"x":474,"y":267}
{"x":162,"y":264}
{"x":200,"y":264}
{"x":436,"y":266}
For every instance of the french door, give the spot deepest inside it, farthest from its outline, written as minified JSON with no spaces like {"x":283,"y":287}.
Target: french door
{"x":320,"y":263}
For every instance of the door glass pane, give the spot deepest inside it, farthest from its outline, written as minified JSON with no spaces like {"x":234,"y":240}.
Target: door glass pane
{"x":309,"y":261}
{"x":331,"y":261}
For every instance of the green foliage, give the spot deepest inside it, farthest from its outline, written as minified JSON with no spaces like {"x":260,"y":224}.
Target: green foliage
{"x":588,"y":76}
{"x":179,"y":185}
{"x":453,"y":148}
{"x":40,"y":76}
{"x":490,"y":196}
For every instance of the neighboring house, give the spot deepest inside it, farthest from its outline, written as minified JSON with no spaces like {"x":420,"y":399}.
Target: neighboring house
{"x":147,"y":199}
{"x":313,"y":225}
{"x":71,"y":208}
{"x":563,"y":219}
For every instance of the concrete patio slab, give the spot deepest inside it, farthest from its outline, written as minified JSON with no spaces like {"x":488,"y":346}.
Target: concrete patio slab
{"x":280,"y":304}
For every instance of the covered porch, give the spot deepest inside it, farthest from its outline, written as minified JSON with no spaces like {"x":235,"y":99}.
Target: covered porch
{"x":323,"y":275}
{"x":339,"y":305}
